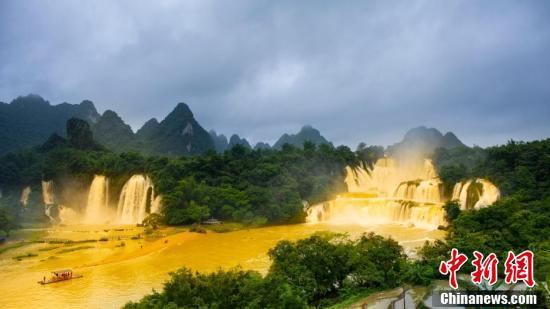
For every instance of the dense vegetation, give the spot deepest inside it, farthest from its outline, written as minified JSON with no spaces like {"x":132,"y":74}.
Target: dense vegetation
{"x":252,"y":185}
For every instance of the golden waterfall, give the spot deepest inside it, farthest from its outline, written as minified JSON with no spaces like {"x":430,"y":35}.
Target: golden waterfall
{"x":137,"y":200}
{"x":97,"y":208}
{"x":407,"y":193}
{"x":390,"y":192}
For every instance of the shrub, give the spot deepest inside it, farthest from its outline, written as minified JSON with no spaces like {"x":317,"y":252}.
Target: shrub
{"x":196,"y":228}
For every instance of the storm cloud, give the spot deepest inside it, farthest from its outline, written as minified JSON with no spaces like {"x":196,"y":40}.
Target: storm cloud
{"x":358,"y":71}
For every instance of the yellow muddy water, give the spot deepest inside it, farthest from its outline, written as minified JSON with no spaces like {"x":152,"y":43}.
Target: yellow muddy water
{"x":114,"y":274}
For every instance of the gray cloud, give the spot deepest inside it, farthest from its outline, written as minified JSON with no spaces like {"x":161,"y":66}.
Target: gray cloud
{"x":358,"y":71}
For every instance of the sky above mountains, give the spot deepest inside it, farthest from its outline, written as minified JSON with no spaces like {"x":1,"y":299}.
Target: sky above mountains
{"x":357,"y":71}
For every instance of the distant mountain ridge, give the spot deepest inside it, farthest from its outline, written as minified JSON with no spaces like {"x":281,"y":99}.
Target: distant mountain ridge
{"x":30,"y":120}
{"x":306,"y":133}
{"x":422,"y":141}
{"x":220,"y":141}
{"x":178,"y":134}
{"x":237,"y":140}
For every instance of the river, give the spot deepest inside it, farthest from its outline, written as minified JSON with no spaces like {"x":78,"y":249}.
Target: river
{"x":114,"y":274}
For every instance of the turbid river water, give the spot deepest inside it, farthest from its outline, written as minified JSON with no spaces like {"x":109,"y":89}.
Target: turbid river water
{"x":115,"y":274}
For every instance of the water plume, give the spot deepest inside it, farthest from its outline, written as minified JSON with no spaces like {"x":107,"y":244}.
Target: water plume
{"x":97,"y":207}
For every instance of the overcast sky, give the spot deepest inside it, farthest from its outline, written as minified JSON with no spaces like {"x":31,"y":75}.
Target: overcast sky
{"x":358,"y":71}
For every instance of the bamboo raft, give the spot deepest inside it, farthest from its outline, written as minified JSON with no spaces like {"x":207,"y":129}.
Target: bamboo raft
{"x":59,"y":276}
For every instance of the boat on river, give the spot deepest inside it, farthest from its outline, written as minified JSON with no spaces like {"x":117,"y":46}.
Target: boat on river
{"x":60,"y":275}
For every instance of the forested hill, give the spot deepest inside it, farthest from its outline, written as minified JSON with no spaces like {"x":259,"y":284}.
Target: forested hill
{"x":28,"y":121}
{"x":177,"y":134}
{"x":307,"y":133}
{"x":422,"y":142}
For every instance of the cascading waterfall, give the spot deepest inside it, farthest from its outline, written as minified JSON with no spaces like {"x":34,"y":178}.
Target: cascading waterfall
{"x":386,"y":175}
{"x":463,"y":194}
{"x":456,"y":191}
{"x":429,"y":191}
{"x":420,"y":190}
{"x":48,"y":198}
{"x":475,"y":194}
{"x":490,"y":194}
{"x":372,"y":211}
{"x":156,"y":205}
{"x":25,"y":196}
{"x":406,"y":193}
{"x":97,"y":208}
{"x":136,"y":195}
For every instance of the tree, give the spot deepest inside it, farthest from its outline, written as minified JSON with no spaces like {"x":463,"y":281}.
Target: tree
{"x":234,"y":288}
{"x":152,"y":221}
{"x":450,"y":175}
{"x":452,"y":211}
{"x":369,"y":154}
{"x":7,"y":223}
{"x":317,"y":266}
{"x":196,"y":213}
{"x":376,"y":262}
